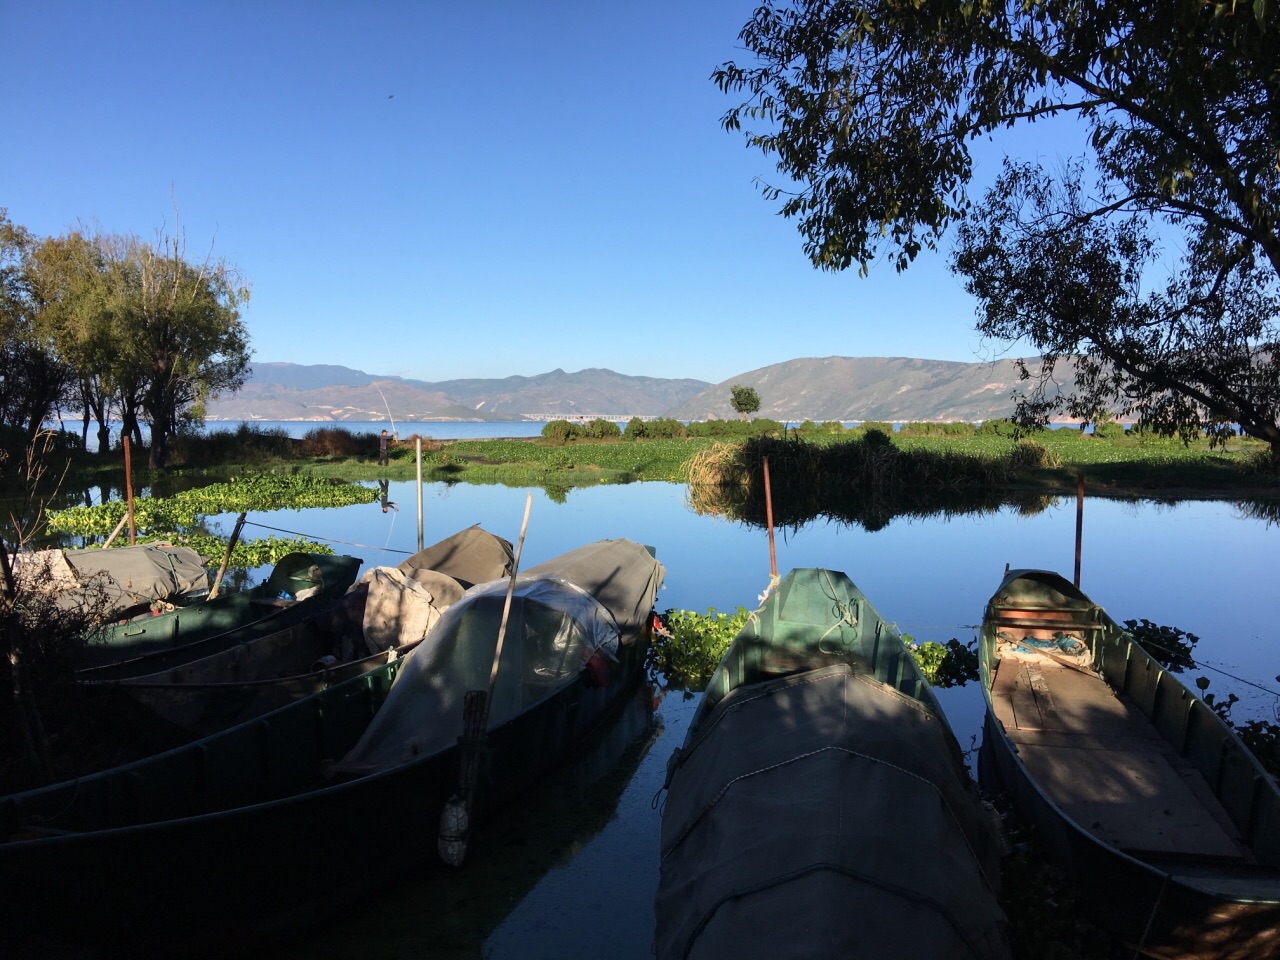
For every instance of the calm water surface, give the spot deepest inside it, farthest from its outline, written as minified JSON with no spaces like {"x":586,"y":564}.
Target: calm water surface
{"x":573,"y":873}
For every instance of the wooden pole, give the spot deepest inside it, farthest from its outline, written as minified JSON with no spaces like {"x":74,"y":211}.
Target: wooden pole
{"x":419,"y":439}
{"x":768,"y":515}
{"x":1079,"y":521}
{"x":226,"y":557}
{"x":116,"y":532}
{"x":455,"y":818}
{"x":128,"y":491}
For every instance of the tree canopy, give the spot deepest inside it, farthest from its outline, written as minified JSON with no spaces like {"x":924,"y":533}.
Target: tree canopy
{"x":744,"y":400}
{"x":1149,"y":263}
{"x":135,"y":328}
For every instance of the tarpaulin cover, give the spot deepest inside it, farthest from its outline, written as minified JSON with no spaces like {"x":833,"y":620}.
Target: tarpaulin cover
{"x":128,"y":577}
{"x":401,"y":609}
{"x":823,"y":815}
{"x":562,"y":612}
{"x":471,"y":556}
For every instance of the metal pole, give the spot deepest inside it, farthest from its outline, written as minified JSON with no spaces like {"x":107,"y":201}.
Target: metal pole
{"x":419,"y":439}
{"x":1079,"y":521}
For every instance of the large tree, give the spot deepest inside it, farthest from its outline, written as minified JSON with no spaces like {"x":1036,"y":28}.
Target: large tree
{"x":1151,"y":263}
{"x":32,"y":378}
{"x":72,"y":284}
{"x":184,"y":342}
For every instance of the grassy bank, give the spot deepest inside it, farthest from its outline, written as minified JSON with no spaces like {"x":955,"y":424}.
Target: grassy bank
{"x":1048,"y":461}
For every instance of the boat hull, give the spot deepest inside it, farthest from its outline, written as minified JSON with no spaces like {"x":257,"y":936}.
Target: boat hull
{"x":1173,"y":883}
{"x":266,"y":864}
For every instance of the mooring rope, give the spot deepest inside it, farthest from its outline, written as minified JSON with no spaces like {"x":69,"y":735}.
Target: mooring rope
{"x":348,"y":543}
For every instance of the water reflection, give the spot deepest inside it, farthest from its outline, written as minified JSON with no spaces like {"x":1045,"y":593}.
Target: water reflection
{"x":871,"y":509}
{"x":445,"y":912}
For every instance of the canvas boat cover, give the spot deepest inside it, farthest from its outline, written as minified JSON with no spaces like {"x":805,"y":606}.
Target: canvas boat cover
{"x":563,"y":612}
{"x":472,"y":556}
{"x":823,"y":814}
{"x":126,"y":577}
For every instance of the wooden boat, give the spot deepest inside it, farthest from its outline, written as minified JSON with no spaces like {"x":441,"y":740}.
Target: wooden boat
{"x":299,"y":585}
{"x":382,"y":618}
{"x":297,"y":814}
{"x":820,"y":804}
{"x":1169,"y":825}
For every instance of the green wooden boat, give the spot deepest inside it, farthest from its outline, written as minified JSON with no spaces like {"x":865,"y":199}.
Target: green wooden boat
{"x":297,"y":814}
{"x":300,"y":585}
{"x":820,"y":804}
{"x":380,"y":619}
{"x":1168,"y":823}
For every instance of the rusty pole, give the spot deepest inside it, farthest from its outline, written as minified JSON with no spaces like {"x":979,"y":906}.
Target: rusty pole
{"x":768,"y":515}
{"x":128,"y":491}
{"x":1079,"y":521}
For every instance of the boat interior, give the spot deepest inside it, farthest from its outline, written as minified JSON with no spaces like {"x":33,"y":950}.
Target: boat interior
{"x":1122,"y":747}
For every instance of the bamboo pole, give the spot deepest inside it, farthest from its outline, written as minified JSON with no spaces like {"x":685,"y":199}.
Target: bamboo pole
{"x":455,"y":818}
{"x":526,"y":516}
{"x":116,"y":532}
{"x":226,"y":557}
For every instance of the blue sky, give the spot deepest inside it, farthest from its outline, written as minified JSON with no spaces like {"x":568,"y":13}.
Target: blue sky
{"x":445,"y":190}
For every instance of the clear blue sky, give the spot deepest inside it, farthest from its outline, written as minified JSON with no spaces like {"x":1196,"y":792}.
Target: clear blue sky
{"x":443,"y":190}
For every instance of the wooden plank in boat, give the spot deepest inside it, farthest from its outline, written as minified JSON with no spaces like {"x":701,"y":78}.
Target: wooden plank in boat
{"x":1107,"y":767}
{"x":1131,"y":798}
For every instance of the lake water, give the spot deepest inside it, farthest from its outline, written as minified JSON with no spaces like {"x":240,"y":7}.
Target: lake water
{"x":577,"y":878}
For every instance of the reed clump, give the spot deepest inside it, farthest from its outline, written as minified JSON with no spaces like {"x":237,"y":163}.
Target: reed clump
{"x":338,"y":442}
{"x":866,"y":480}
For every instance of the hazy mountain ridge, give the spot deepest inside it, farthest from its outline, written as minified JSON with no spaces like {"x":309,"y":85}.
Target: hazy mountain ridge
{"x":813,"y":388}
{"x":868,"y":388}
{"x":289,"y":391}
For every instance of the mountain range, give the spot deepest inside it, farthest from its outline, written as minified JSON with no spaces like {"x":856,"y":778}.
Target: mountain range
{"x":827,"y":388}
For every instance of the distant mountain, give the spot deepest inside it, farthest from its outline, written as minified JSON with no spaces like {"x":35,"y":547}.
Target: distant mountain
{"x":826,"y":388}
{"x":866,"y":388}
{"x":290,"y":391}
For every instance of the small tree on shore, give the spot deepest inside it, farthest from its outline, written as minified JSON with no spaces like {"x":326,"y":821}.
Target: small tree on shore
{"x":744,"y":400}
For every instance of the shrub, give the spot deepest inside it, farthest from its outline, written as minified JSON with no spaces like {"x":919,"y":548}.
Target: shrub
{"x":561,"y":431}
{"x":764,"y":427}
{"x":953,"y":428}
{"x":1002,"y":427}
{"x":339,"y":442}
{"x":601,"y":429}
{"x":1028,"y":455}
{"x":869,"y":425}
{"x":636,"y":429}
{"x":248,"y":443}
{"x":666,"y":428}
{"x":1109,"y":430}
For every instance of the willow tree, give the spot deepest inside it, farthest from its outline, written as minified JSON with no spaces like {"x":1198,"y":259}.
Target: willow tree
{"x":182,"y":338}
{"x":1150,"y":263}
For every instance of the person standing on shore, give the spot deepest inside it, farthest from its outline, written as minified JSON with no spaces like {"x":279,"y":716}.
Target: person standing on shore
{"x":383,"y":457}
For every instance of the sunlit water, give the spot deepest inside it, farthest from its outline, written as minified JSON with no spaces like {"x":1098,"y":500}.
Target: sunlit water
{"x":1200,"y":566}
